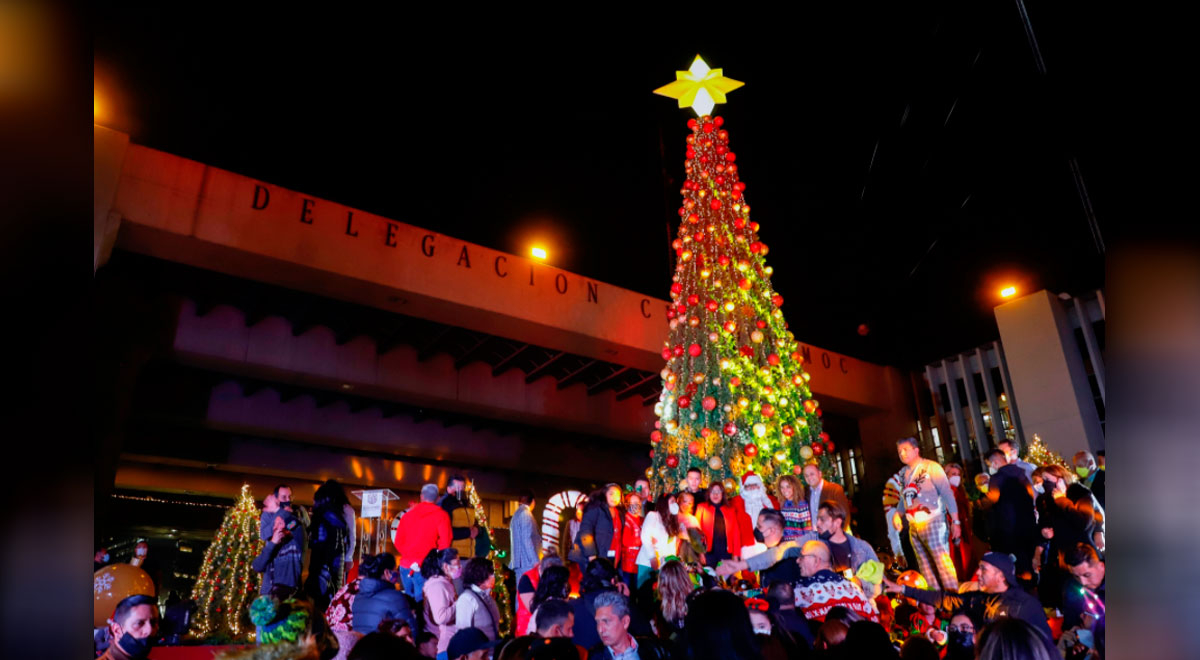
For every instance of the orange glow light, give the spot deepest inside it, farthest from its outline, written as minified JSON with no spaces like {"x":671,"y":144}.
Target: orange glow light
{"x":538,"y":252}
{"x":1008,"y":292}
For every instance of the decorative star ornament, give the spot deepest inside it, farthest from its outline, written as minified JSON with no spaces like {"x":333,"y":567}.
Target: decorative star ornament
{"x":699,"y":87}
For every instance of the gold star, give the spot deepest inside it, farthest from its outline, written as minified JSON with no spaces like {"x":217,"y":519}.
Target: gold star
{"x":699,"y":87}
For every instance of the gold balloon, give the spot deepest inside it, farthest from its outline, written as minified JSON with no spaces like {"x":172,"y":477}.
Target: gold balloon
{"x":113,"y":584}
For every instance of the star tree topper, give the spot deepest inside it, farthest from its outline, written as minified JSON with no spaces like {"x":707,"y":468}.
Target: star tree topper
{"x":699,"y":87}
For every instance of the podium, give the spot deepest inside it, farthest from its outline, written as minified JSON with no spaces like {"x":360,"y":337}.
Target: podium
{"x":375,"y":531}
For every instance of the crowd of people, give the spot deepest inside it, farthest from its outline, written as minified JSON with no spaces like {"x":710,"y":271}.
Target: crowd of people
{"x":1014,"y":569}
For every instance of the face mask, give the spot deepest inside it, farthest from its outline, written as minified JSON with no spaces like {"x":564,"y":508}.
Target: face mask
{"x":137,"y":648}
{"x":961,"y":639}
{"x":1039,"y":489}
{"x":1082,"y":472}
{"x":453,"y":572}
{"x":762,"y":629}
{"x":991,"y":470}
{"x":955,"y":480}
{"x":758,"y":536}
{"x":673,"y":508}
{"x":825,"y":536}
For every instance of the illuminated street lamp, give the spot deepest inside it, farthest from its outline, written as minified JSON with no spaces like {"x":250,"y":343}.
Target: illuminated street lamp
{"x":538,"y":252}
{"x":1008,"y":292}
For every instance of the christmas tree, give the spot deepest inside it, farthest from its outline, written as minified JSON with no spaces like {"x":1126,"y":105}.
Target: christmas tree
{"x":500,"y":591}
{"x":735,"y":394}
{"x":227,"y":584}
{"x":1039,"y":454}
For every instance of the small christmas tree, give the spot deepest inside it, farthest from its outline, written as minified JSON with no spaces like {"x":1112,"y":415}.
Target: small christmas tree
{"x":1040,"y":455}
{"x":227,"y":584}
{"x":735,"y":393}
{"x":500,"y":591}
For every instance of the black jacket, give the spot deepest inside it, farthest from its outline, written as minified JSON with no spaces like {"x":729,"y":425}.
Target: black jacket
{"x":1011,"y":520}
{"x":596,"y":533}
{"x":378,"y":600}
{"x":584,"y":609}
{"x":648,"y":648}
{"x":988,"y":607}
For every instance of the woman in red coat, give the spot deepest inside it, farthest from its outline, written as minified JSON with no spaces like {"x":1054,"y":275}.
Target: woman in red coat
{"x":722,"y":526}
{"x":631,"y":540}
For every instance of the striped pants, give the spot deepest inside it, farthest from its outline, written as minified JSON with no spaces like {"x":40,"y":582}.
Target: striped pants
{"x":931,"y":544}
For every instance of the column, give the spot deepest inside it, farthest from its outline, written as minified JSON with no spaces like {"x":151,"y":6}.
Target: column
{"x":989,"y":389}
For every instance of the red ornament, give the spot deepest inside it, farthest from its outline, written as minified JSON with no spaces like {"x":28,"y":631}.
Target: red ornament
{"x":739,"y":223}
{"x":694,"y":350}
{"x":731,"y":156}
{"x":694,"y":447}
{"x":723,"y":260}
{"x":756,"y":247}
{"x":730,"y":326}
{"x":788,"y":431}
{"x":829,"y":447}
{"x":750,"y":449}
{"x":678,"y":350}
{"x":692,"y":300}
{"x":708,"y":127}
{"x":708,"y":403}
{"x":651,"y":453}
{"x":824,"y":437}
{"x":797,"y":469}
{"x":685,"y":401}
{"x":692,"y":123}
{"x":676,"y":288}
{"x":730,"y":428}
{"x":777,"y":299}
{"x":715,"y":204}
{"x":735,"y":381}
{"x":746,"y":350}
{"x":711,"y":305}
{"x":718,"y":120}
{"x":744,"y":284}
{"x":672,"y":461}
{"x":722,"y":135}
{"x":768,"y":410}
{"x":817,"y":450}
{"x":863,"y":329}
{"x":773,"y":360}
{"x":690,"y":389}
{"x":666,"y":354}
{"x":761,"y":324}
{"x":809,"y":406}
{"x":656,"y":437}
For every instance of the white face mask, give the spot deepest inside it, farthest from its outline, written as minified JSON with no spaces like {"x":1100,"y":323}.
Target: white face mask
{"x":955,"y":480}
{"x":991,"y":470}
{"x":762,"y":629}
{"x":673,"y":508}
{"x":1039,"y":489}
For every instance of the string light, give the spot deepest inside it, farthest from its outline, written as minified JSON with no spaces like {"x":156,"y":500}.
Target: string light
{"x":500,"y":591}
{"x":1039,"y":454}
{"x":159,"y":500}
{"x":227,"y":583}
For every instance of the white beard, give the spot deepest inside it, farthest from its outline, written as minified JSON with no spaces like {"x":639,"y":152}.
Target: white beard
{"x":755,"y":502}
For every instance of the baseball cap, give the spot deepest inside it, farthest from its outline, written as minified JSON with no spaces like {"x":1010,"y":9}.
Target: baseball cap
{"x":1005,"y":563}
{"x":469,"y":640}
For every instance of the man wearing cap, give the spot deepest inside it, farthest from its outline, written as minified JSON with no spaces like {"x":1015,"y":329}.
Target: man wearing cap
{"x":999,"y":596}
{"x":471,"y":644}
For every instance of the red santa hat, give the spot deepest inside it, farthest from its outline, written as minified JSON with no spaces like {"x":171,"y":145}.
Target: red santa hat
{"x":750,"y":478}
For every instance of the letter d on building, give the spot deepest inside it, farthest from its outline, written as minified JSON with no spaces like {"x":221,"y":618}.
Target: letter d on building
{"x":262,"y":197}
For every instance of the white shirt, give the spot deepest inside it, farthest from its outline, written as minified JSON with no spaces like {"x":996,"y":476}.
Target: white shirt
{"x":656,"y":545}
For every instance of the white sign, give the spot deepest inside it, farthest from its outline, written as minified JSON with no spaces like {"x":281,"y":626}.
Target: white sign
{"x":372,"y":504}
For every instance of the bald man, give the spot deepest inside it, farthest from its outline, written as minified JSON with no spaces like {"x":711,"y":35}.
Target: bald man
{"x":820,"y":589}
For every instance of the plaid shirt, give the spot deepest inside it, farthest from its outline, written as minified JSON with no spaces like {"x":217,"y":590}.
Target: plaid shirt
{"x":525,"y":539}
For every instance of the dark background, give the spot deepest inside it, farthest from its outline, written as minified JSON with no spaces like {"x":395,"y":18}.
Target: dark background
{"x":903,"y":163}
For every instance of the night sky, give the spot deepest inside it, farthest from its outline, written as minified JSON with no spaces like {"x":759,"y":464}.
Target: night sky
{"x":903,"y":164}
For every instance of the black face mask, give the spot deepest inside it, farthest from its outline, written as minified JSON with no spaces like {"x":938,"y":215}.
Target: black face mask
{"x":962,"y":639}
{"x":137,"y":648}
{"x":758,"y":536}
{"x":825,"y":536}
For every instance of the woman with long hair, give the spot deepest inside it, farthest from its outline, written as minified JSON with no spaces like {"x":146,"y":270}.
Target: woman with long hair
{"x":721,"y":525}
{"x":692,"y":543}
{"x":674,"y":585}
{"x":660,"y":536}
{"x":555,"y":583}
{"x":330,"y":537}
{"x":440,"y":568}
{"x":794,"y":507}
{"x":1010,"y":638}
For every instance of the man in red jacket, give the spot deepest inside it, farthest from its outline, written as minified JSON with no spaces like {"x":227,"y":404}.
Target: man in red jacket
{"x":423,"y":528}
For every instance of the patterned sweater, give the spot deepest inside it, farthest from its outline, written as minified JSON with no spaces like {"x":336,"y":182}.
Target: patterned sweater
{"x":825,"y":590}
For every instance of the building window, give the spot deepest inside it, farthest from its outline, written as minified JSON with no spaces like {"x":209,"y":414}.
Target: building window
{"x":853,"y":469}
{"x":937,"y":444}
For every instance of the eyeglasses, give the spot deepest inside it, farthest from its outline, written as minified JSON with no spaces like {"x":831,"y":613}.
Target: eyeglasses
{"x":757,"y":604}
